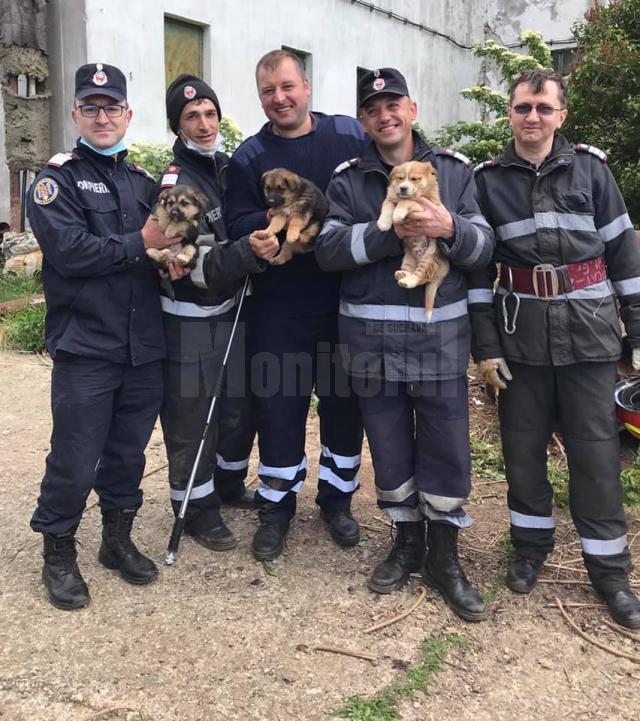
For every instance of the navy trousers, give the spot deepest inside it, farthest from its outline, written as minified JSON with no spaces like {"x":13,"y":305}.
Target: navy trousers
{"x":291,"y":358}
{"x":418,"y":435}
{"x":103,"y":416}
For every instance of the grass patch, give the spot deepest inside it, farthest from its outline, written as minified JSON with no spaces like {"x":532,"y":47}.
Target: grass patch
{"x":24,"y":330}
{"x":12,"y":287}
{"x":384,"y":705}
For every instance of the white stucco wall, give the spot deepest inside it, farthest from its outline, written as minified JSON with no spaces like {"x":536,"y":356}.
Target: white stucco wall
{"x":506,"y":19}
{"x":339,"y":35}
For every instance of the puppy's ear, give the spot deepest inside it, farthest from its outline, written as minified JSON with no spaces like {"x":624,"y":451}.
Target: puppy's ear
{"x":162,"y":198}
{"x":202,"y":200}
{"x":264,"y":176}
{"x":291,"y":180}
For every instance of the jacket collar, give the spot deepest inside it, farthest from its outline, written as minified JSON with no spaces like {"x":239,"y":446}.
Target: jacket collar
{"x":371,"y":160}
{"x":561,"y":149}
{"x":187,"y":157}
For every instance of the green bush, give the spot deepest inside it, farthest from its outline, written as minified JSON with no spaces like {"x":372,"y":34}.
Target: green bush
{"x":12,"y":286}
{"x":24,"y":329}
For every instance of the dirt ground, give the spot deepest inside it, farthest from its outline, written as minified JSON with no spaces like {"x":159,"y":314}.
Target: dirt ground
{"x":222,"y":637}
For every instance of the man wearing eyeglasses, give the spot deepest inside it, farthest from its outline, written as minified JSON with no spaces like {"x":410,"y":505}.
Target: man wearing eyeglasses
{"x":89,"y":210}
{"x":550,"y":337}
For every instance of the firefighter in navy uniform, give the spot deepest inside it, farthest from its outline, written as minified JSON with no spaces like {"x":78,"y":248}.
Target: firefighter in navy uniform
{"x":551,"y":337}
{"x":410,"y":375}
{"x":197,"y":323}
{"x":89,"y":211}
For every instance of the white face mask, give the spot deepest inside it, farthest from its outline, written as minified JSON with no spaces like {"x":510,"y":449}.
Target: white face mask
{"x":208,"y":152}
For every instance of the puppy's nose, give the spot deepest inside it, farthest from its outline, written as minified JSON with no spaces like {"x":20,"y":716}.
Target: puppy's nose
{"x":175,"y":214}
{"x":404,"y":189}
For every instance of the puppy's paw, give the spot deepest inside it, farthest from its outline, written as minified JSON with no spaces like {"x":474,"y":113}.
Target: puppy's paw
{"x":384,"y":224}
{"x":188,"y":256}
{"x":399,"y":214}
{"x":277,"y":260}
{"x":408,"y":281}
{"x":160,"y":258}
{"x":399,"y":274}
{"x":293,"y":236}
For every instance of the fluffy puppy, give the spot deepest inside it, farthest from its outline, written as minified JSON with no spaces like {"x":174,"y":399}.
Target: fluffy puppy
{"x":178,"y":212}
{"x":297,"y":205}
{"x":423,"y":263}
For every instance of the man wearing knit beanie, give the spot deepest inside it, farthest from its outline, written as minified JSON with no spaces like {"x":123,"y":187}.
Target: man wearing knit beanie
{"x":183,"y":90}
{"x":197,"y":321}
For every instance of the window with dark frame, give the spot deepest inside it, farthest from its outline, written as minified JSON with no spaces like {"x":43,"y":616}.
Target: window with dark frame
{"x":183,"y":48}
{"x":564,"y":60}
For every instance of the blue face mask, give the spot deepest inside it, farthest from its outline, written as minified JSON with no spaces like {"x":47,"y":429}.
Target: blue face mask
{"x":106,"y":151}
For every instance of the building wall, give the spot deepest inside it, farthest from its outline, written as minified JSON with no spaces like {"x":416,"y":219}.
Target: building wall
{"x":506,"y":19}
{"x":340,"y":36}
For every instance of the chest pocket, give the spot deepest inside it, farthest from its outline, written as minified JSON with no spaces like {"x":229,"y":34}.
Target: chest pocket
{"x":574,"y":201}
{"x":101,"y":212}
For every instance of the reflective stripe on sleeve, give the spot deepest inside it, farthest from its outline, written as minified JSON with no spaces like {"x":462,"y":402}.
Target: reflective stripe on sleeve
{"x":358,"y":250}
{"x":615,"y":227}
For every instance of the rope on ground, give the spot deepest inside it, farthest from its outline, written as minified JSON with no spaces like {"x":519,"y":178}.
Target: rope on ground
{"x":400,"y":616}
{"x":594,"y":641}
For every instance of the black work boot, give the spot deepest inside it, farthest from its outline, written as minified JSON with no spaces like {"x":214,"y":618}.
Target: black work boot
{"x":523,"y":572}
{"x":624,"y":607}
{"x":406,"y":556}
{"x":244,"y":499}
{"x":442,"y":571}
{"x":60,"y":573}
{"x":268,"y":540}
{"x":214,"y":535}
{"x":343,"y":527}
{"x":118,"y":552}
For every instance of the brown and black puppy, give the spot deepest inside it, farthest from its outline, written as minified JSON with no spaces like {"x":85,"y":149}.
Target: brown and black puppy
{"x":423,"y":263}
{"x":178,"y":212}
{"x":297,"y":205}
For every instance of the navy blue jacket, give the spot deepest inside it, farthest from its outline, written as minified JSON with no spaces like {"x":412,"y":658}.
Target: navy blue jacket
{"x":383,"y":330}
{"x":87,"y":211}
{"x":298,"y":288}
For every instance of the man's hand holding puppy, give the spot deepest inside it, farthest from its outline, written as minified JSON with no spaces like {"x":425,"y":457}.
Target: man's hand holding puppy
{"x":434,"y":221}
{"x":154,"y":237}
{"x":264,"y":244}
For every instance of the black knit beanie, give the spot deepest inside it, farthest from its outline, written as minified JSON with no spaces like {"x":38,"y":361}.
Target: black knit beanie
{"x":181,"y":91}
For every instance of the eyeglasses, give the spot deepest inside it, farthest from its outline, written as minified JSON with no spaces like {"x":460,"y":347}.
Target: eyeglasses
{"x":526,"y":108}
{"x":92,"y":111}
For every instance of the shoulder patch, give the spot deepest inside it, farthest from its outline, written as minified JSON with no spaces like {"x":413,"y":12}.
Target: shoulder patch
{"x":170,"y":176}
{"x":139,"y":169}
{"x":45,"y":191}
{"x":492,"y":162}
{"x":59,"y":159}
{"x":345,"y":165}
{"x":584,"y":148}
{"x":455,"y":154}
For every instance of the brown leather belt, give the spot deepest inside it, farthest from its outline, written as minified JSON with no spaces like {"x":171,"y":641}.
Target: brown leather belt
{"x":547,"y":282}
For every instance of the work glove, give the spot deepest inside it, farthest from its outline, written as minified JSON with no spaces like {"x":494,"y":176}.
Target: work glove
{"x":635,"y":359}
{"x":495,"y":372}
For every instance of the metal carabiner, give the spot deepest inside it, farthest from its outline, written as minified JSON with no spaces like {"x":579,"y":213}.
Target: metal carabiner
{"x":510,"y":329}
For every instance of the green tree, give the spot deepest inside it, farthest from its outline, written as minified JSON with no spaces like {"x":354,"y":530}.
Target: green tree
{"x":604,"y":92}
{"x":482,"y":139}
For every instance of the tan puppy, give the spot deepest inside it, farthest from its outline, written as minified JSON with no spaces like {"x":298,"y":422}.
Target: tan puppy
{"x":423,"y":264}
{"x":178,"y":213}
{"x":297,"y":205}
